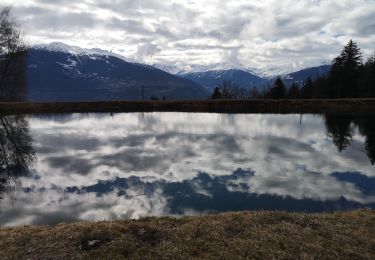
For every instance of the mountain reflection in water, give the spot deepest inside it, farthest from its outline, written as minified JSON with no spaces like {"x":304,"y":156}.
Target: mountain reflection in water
{"x":93,"y":167}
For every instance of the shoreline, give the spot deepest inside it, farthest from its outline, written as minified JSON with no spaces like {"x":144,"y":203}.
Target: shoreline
{"x":240,"y":235}
{"x":298,"y":106}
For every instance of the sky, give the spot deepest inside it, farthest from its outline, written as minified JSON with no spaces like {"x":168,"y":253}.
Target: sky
{"x":193,"y":32}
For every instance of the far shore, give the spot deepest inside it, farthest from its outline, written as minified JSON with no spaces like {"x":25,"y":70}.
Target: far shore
{"x":298,"y":106}
{"x":241,"y":235}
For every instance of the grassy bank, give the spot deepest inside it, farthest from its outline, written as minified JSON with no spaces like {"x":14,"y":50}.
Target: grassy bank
{"x":262,"y":235}
{"x":211,"y":106}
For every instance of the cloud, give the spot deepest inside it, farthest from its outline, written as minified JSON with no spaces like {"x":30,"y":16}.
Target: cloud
{"x":147,"y":50}
{"x":181,"y":32}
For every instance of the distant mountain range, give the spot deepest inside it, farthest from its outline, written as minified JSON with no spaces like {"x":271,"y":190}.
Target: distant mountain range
{"x":211,"y":79}
{"x":267,"y":72}
{"x":300,"y":76}
{"x":248,"y":80}
{"x":59,"y":72}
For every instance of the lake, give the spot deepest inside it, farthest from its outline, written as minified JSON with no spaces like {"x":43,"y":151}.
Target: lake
{"x":66,"y":168}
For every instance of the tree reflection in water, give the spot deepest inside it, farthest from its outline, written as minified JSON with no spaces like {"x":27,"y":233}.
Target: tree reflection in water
{"x":341,"y":129}
{"x":16,"y":152}
{"x":366,"y":126}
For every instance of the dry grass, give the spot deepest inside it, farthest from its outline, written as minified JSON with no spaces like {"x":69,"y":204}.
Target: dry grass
{"x":246,"y":235}
{"x":215,"y":106}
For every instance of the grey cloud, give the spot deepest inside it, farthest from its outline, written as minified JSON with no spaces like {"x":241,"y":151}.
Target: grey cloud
{"x":138,"y":28}
{"x":62,"y":22}
{"x":365,"y":25}
{"x":71,"y":164}
{"x":53,"y":2}
{"x":67,"y":142}
{"x":31,"y":11}
{"x":136,"y":197}
{"x":130,"y":26}
{"x":286,"y":147}
{"x":264,"y":33}
{"x":187,"y":46}
{"x":132,"y":153}
{"x":147,"y":49}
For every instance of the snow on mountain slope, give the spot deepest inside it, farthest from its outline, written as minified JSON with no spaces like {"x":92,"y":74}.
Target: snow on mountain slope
{"x":211,"y":79}
{"x":75,"y":50}
{"x":271,"y":72}
{"x":300,"y":76}
{"x":59,"y":72}
{"x":268,"y":72}
{"x":247,"y":80}
{"x":188,"y":68}
{"x":208,"y":76}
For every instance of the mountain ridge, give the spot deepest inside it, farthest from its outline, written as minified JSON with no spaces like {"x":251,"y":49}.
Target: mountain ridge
{"x":58,"y":75}
{"x":114,"y":85}
{"x":247,"y":80}
{"x":213,"y":78}
{"x":178,"y":69}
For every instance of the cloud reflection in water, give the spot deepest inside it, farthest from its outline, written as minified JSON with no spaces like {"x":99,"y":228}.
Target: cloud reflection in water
{"x":94,"y":167}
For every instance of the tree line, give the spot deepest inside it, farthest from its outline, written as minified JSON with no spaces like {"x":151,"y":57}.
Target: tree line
{"x":349,"y":77}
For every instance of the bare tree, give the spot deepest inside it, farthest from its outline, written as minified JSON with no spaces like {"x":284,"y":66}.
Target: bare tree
{"x":12,"y":57}
{"x":255,"y":93}
{"x":228,"y":90}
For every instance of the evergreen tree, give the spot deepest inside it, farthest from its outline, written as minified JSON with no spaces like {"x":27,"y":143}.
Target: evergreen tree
{"x":320,"y":88}
{"x":278,"y":90}
{"x":345,"y":71}
{"x":307,"y":89}
{"x":216,"y":94}
{"x":293,"y":91}
{"x":367,"y":81}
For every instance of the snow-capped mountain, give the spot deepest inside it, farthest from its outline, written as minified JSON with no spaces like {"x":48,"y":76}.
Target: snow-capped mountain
{"x":59,"y":72}
{"x":271,"y":72}
{"x":247,"y":80}
{"x":211,"y":79}
{"x":299,"y":77}
{"x":75,"y":50}
{"x":188,"y":68}
{"x":268,"y":72}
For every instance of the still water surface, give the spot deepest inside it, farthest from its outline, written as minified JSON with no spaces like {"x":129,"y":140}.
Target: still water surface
{"x":99,"y":166}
